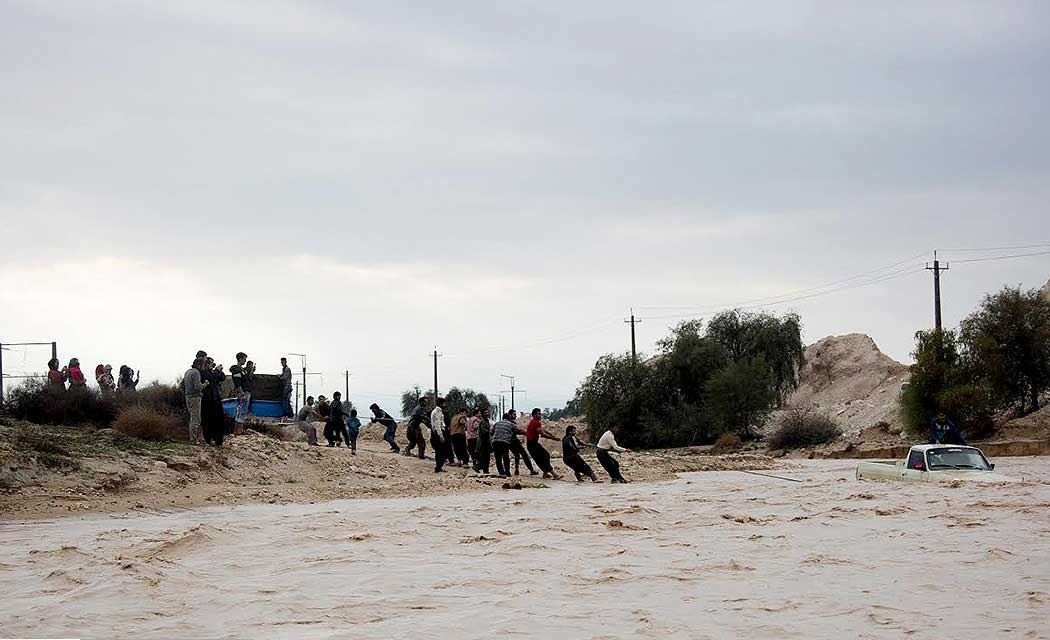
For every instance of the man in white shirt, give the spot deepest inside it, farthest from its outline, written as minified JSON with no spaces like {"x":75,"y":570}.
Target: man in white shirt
{"x":606,"y":444}
{"x":437,"y":429}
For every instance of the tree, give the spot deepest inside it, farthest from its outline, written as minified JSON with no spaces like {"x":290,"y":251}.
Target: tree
{"x":691,"y":358}
{"x":456,"y":399}
{"x":702,"y":383}
{"x":612,"y":393}
{"x":1006,"y":342}
{"x":941,"y":380}
{"x":741,"y":395}
{"x":410,"y":398}
{"x":778,"y":341}
{"x":571,"y":409}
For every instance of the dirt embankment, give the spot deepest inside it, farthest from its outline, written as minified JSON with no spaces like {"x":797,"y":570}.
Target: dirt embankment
{"x":48,"y":471}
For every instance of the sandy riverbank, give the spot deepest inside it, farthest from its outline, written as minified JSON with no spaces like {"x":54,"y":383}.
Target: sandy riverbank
{"x":717,"y":554}
{"x":49,"y":471}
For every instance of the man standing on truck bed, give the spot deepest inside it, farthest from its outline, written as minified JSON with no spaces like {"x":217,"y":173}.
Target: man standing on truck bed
{"x":944,"y":431}
{"x":242,"y":384}
{"x":286,"y":388}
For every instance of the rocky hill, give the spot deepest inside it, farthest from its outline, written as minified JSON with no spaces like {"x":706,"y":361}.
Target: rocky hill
{"x":850,"y":380}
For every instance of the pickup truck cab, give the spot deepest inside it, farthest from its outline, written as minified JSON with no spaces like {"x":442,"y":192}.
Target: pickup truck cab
{"x":934,"y":463}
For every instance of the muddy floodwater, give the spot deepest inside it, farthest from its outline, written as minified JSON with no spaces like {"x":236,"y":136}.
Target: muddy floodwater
{"x":718,"y":554}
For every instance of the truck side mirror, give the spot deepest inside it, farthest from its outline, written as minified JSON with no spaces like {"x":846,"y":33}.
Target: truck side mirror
{"x":991,"y":465}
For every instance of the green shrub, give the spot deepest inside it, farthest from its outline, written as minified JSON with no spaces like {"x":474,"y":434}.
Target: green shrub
{"x":803,"y":427}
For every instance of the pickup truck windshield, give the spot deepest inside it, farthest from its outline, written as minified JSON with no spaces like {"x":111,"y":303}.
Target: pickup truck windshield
{"x":950,"y":458}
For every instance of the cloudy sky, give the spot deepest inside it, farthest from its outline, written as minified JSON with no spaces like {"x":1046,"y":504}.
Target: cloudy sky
{"x":362,"y":181}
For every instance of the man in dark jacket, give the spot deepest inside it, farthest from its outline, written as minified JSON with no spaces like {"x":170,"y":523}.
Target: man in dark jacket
{"x":383,"y":418}
{"x":944,"y":431}
{"x":335,"y":422}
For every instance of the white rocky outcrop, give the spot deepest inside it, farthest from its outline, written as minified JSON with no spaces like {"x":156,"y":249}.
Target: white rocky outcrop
{"x":850,"y":380}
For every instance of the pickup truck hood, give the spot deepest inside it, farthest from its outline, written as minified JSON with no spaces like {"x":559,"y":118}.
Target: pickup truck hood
{"x":970,"y":475}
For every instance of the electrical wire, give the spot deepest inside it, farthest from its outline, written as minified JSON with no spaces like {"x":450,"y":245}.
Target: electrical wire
{"x":893,"y":275}
{"x":1013,"y":248}
{"x":1008,"y":257}
{"x":865,"y":274}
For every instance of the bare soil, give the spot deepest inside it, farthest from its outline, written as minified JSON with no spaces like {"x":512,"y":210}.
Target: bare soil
{"x":47,"y":471}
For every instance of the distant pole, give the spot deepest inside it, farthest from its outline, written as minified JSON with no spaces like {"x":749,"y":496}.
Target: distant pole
{"x":54,"y":350}
{"x":435,"y":375}
{"x":634,"y":348}
{"x":297,"y":397}
{"x":348,"y":385}
{"x":937,"y":269}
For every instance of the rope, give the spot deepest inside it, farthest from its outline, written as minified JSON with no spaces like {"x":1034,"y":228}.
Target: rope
{"x":753,"y":473}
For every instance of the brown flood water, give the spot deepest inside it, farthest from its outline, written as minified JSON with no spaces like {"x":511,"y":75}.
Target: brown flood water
{"x":717,"y":554}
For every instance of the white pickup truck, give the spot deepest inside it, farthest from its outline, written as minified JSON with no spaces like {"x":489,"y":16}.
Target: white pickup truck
{"x":934,"y":463}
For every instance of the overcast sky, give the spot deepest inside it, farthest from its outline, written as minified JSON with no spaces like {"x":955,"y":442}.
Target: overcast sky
{"x":362,"y":181}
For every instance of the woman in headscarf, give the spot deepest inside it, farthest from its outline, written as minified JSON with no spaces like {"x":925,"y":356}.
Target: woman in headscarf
{"x":570,"y":455}
{"x":76,"y":376}
{"x":213,"y":419}
{"x":56,"y":379}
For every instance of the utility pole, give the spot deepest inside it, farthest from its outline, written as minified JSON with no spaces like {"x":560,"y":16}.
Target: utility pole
{"x":634,"y":348}
{"x":303,"y":357}
{"x":937,"y":269}
{"x":297,"y":397}
{"x":513,"y":391}
{"x":348,"y":386}
{"x":436,"y":356}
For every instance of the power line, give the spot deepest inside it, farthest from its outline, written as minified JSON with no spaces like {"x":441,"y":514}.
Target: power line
{"x":1016,"y":255}
{"x":883,"y":278}
{"x":1013,"y":248}
{"x":792,"y":292}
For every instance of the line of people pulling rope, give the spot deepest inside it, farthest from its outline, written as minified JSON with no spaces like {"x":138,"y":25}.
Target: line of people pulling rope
{"x":467,"y":439}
